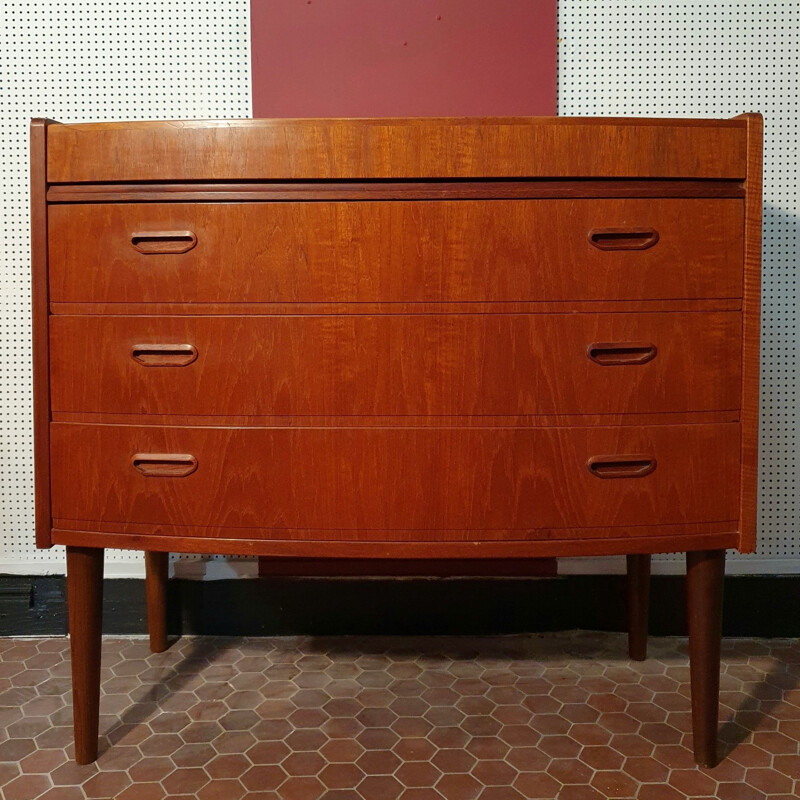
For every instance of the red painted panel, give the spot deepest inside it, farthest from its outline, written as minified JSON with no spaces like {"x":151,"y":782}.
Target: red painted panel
{"x":397,"y":58}
{"x":403,"y":58}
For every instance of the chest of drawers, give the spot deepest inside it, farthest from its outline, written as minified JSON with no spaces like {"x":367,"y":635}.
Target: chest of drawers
{"x":377,"y":339}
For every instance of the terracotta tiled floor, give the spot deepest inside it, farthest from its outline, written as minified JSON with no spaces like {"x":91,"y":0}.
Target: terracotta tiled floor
{"x":559,"y":716}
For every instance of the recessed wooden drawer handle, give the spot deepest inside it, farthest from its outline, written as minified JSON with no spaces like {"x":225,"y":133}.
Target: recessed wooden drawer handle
{"x":150,"y":242}
{"x":635,"y":466}
{"x":164,"y":355}
{"x":623,"y":238}
{"x":615,"y":354}
{"x":164,"y":465}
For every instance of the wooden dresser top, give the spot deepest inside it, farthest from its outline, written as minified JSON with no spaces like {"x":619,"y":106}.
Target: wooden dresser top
{"x":375,"y":149}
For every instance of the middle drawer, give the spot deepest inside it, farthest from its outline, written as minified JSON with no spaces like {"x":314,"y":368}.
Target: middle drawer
{"x":426,"y":364}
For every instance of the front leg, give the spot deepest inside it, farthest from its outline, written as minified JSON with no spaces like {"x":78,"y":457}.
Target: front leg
{"x":705,"y":574}
{"x":85,"y":600}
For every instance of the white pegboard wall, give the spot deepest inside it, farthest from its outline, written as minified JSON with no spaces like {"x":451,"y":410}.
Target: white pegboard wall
{"x":150,"y":59}
{"x":83,"y":62}
{"x":714,"y":59}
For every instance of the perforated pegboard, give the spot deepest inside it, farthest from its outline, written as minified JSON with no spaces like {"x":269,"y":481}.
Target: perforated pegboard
{"x":83,"y":62}
{"x":715,"y":59}
{"x":151,"y":59}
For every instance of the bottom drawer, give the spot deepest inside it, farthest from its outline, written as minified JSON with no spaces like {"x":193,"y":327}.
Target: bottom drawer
{"x":363,"y":484}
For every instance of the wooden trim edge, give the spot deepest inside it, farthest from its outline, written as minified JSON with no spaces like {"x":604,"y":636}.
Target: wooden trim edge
{"x":409,"y":550}
{"x":344,"y":190}
{"x":41,"y":335}
{"x":751,"y":333}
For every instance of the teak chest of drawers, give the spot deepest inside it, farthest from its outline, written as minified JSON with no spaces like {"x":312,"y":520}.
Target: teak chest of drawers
{"x":407,"y":338}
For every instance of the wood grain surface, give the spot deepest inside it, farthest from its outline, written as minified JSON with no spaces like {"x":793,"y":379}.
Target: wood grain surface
{"x":382,"y":251}
{"x":351,"y":480}
{"x":705,"y":574}
{"x":85,"y":598}
{"x":442,"y":279}
{"x":309,"y":149}
{"x":445,"y":364}
{"x":751,"y":323}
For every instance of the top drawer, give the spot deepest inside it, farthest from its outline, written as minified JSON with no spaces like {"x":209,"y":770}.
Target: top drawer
{"x":396,"y":251}
{"x":421,"y":148}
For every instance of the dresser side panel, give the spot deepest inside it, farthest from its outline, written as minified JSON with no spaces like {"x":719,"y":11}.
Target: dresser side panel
{"x":751,"y":324}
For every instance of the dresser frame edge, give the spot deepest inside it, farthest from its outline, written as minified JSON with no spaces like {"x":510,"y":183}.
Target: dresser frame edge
{"x":721,"y":536}
{"x":40,"y":328}
{"x":751,"y":333}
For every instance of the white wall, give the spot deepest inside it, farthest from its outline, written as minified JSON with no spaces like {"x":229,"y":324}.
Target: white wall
{"x":715,"y":59}
{"x":83,"y":61}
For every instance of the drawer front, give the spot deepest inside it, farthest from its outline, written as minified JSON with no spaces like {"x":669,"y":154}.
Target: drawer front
{"x":358,"y":149}
{"x":397,"y":251}
{"x":427,"y":364}
{"x":350,"y":480}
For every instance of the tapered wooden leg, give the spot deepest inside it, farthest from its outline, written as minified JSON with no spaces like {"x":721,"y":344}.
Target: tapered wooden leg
{"x":705,"y":571}
{"x":85,"y":599}
{"x":638,"y":605}
{"x":157,"y":570}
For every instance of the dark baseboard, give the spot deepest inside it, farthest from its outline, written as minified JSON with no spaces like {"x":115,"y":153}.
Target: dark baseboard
{"x":764,"y":606}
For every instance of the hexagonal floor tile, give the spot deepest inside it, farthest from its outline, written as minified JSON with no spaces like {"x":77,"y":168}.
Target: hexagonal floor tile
{"x":563,"y":716}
